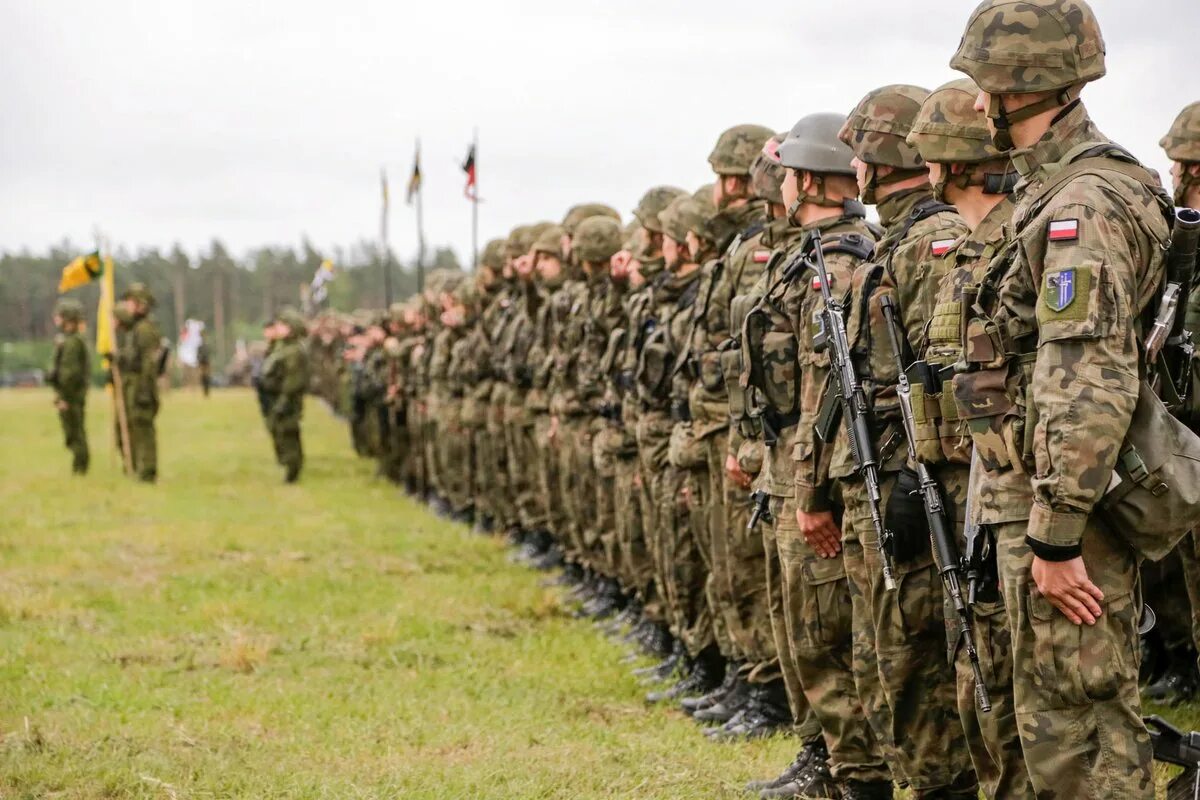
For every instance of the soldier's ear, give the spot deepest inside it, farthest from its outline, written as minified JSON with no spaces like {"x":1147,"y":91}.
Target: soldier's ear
{"x":1193,"y":170}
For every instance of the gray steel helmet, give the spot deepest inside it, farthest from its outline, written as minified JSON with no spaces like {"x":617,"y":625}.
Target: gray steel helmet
{"x":813,"y":145}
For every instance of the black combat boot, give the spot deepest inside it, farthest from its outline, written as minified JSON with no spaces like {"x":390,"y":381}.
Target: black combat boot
{"x":728,"y":706}
{"x":484,"y":523}
{"x":670,"y":665}
{"x":706,"y":673}
{"x":866,"y":790}
{"x":812,"y":782}
{"x":691,"y":705}
{"x":765,"y":713}
{"x":813,"y":752}
{"x":658,"y":641}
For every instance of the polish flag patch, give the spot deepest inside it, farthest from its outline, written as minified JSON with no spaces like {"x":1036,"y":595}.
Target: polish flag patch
{"x":762,"y":256}
{"x":1063,"y":230}
{"x":816,"y":283}
{"x":941,"y":246}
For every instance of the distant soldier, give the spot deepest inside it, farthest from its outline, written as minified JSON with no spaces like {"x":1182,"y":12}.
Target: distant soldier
{"x":139,"y":347}
{"x":204,"y":362}
{"x":284,"y":380}
{"x":69,"y":379}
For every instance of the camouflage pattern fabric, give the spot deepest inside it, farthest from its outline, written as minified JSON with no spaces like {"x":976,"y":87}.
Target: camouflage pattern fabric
{"x":69,"y":376}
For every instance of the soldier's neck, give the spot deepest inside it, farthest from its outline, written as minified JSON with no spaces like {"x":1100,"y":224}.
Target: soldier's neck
{"x":811,"y":213}
{"x":972,"y":203}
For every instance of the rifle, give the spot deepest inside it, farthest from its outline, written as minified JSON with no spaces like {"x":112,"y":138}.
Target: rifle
{"x":941,"y":532}
{"x":855,"y":411}
{"x":978,"y":541}
{"x":1173,"y":746}
{"x":1168,"y":328}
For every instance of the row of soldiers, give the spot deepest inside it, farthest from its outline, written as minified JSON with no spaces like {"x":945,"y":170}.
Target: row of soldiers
{"x":658,"y":409}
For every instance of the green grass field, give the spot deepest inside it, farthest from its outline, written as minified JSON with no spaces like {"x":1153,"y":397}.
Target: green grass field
{"x":222,"y":635}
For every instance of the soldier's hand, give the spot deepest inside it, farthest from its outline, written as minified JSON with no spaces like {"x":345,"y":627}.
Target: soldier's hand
{"x":1067,"y":586}
{"x":618,"y":265}
{"x":523,"y":265}
{"x":61,"y":405}
{"x":820,"y":531}
{"x":552,"y":433}
{"x":735,"y":473}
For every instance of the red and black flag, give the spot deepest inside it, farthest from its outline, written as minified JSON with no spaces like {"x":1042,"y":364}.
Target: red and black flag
{"x":469,"y":168}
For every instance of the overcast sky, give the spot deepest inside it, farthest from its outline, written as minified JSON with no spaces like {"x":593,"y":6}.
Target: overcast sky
{"x":261,"y":122}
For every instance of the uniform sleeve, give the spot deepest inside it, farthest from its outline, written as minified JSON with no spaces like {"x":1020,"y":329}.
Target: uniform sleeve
{"x":1085,"y":377}
{"x":295,"y":378}
{"x":73,"y":369}
{"x":148,"y":342}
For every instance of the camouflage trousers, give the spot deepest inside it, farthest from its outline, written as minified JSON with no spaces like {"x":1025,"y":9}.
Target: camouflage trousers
{"x":807,"y":726}
{"x":454,"y":458}
{"x":606,"y":448}
{"x":1189,"y":553}
{"x":737,"y":581}
{"x":682,"y":571}
{"x":285,"y":436}
{"x":1075,"y":687}
{"x":818,"y":636}
{"x":504,"y":507}
{"x":430,"y":429}
{"x":992,"y":737}
{"x":521,"y":448}
{"x":75,"y":435}
{"x":908,"y":695}
{"x":653,"y":434}
{"x":143,"y":439}
{"x":577,"y":484}
{"x":397,"y":446}
{"x":635,"y":565}
{"x":547,"y":478}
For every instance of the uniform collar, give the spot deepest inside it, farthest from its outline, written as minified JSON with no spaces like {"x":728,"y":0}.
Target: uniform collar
{"x":896,"y":207}
{"x":1066,"y":133}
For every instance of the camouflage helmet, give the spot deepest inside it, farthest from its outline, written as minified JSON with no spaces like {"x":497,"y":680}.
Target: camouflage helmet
{"x":139,"y":292}
{"x":467,"y":294}
{"x":813,"y":145}
{"x":578,"y":213}
{"x":766,"y":173}
{"x":652,"y":204}
{"x":948,"y":129}
{"x":597,"y":239}
{"x":492,"y":256}
{"x":1024,"y":46}
{"x":689,"y":214}
{"x":395,"y":312}
{"x":737,"y":148}
{"x":1182,"y":142}
{"x":69,"y":309}
{"x":292,"y":318}
{"x":518,"y":242}
{"x":878,"y":127}
{"x":630,"y":234}
{"x":550,"y":242}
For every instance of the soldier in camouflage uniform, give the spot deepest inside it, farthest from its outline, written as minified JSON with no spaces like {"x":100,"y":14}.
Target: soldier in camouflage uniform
{"x":909,"y":698}
{"x":69,"y":376}
{"x":681,"y":569}
{"x":477,"y":399}
{"x":788,"y":376}
{"x":1182,"y":145}
{"x":643,"y":271}
{"x":284,"y":380}
{"x":504,"y":308}
{"x":396,"y":444}
{"x":445,"y":404}
{"x":462,"y":373}
{"x":754,"y":689}
{"x":1052,"y":381}
{"x":968,"y":172}
{"x":413,"y":350}
{"x":139,"y":347}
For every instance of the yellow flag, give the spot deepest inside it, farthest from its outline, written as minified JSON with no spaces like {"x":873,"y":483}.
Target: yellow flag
{"x":104,"y":312}
{"x":80,"y":271}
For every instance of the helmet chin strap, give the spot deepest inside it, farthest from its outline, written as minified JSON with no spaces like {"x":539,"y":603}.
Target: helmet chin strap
{"x":1003,"y":119}
{"x":819,"y":198}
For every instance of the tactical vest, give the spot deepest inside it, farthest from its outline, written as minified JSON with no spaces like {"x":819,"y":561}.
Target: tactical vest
{"x":659,"y":349}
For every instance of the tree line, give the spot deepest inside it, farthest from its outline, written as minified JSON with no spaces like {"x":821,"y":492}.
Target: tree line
{"x":233,"y":296}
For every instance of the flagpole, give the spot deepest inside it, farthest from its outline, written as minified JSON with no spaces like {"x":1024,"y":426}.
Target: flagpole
{"x":420,"y":227}
{"x":118,"y":384}
{"x":383,"y":241}
{"x":475,"y":204}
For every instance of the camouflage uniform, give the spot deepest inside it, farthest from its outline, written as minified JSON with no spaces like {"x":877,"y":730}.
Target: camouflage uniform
{"x":1182,"y":144}
{"x":69,"y":376}
{"x":477,"y":397}
{"x":909,"y":697}
{"x":285,"y":378}
{"x":1050,"y":394}
{"x":139,"y":346}
{"x":949,"y":131}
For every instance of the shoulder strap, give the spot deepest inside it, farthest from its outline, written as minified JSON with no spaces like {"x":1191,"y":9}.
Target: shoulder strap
{"x":854,"y":244}
{"x":1103,"y":156}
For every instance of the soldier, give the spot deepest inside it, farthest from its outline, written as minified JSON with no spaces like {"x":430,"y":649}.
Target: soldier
{"x":204,"y":362}
{"x":788,"y":377}
{"x":461,"y":309}
{"x":1182,"y":144}
{"x":478,"y":397}
{"x":968,"y":172}
{"x":1089,"y":232}
{"x":909,"y":698}
{"x":69,"y":376}
{"x":139,"y":345}
{"x":442,"y":443}
{"x":642,"y":270}
{"x":284,"y":381}
{"x":681,"y":570}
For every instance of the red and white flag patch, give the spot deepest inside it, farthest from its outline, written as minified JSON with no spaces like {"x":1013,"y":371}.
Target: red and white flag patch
{"x":941,"y":246}
{"x":816,"y":283}
{"x":762,"y":256}
{"x":1063,"y":230}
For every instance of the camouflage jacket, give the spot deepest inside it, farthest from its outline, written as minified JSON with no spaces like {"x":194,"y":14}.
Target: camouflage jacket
{"x":1054,"y":357}
{"x":663,"y":337}
{"x":285,"y":379}
{"x":69,"y":373}
{"x":566,"y":336}
{"x":909,"y":262}
{"x":138,"y":349}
